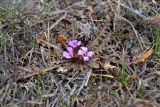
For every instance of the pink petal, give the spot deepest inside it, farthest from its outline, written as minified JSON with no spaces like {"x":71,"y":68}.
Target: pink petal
{"x":84,"y":49}
{"x":70,"y":50}
{"x":74,"y":41}
{"x":72,"y":44}
{"x":86,"y":58}
{"x":80,"y":52}
{"x":66,"y":55}
{"x":90,"y":53}
{"x":79,"y":43}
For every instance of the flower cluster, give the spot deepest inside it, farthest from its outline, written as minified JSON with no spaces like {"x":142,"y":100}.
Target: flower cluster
{"x":72,"y":52}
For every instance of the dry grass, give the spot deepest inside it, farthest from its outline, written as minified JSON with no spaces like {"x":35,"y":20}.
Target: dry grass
{"x":33,"y":73}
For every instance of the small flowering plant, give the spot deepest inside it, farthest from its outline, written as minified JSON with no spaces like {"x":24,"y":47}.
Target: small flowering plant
{"x":74,"y":51}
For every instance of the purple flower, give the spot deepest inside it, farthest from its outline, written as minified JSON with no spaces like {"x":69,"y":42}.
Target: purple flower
{"x":74,"y":43}
{"x":85,"y":53}
{"x":69,"y":53}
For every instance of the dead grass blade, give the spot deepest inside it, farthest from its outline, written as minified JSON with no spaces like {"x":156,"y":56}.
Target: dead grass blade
{"x":104,"y":75}
{"x":153,"y":19}
{"x":34,"y":72}
{"x":53,"y":25}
